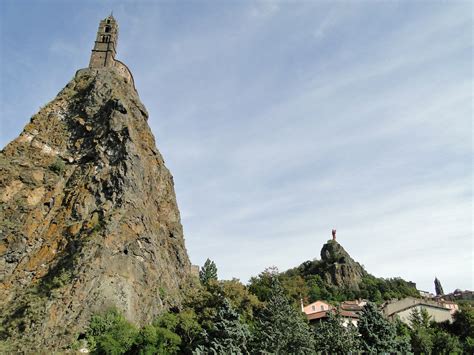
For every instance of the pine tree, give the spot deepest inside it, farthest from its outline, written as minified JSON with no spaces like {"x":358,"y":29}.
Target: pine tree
{"x":332,"y":337}
{"x":438,"y":287}
{"x":228,"y":334}
{"x":377,"y":334}
{"x":281,"y":328}
{"x":208,"y":272}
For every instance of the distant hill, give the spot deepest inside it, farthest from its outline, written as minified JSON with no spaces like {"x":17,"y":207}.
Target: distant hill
{"x":338,"y":277}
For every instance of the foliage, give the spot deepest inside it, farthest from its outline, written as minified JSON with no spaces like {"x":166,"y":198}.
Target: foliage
{"x":331,"y":337}
{"x":261,"y":286}
{"x":240,"y":298}
{"x":445,"y":343}
{"x":110,"y":333}
{"x":208,"y":272}
{"x":419,"y":318}
{"x":154,"y":339}
{"x":227,"y":317}
{"x":378,"y":335}
{"x":188,"y":329}
{"x":463,"y":327}
{"x":216,"y":304}
{"x":402,"y":338}
{"x":57,"y":166}
{"x":228,"y":334}
{"x":204,"y":301}
{"x":422,"y":340}
{"x":308,"y":282}
{"x":280,"y":327}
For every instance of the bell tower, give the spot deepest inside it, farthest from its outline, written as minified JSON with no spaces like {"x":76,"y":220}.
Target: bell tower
{"x":103,"y":53}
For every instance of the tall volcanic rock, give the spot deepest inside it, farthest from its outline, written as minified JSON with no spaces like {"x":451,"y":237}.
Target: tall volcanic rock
{"x":88,"y":216}
{"x":336,"y":267}
{"x":339,"y":268}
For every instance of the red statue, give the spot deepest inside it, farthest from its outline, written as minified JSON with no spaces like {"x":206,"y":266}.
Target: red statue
{"x":333,"y":234}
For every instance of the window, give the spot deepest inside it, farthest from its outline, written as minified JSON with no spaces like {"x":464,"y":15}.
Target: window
{"x":108,"y":21}
{"x":322,"y":308}
{"x":107,"y":29}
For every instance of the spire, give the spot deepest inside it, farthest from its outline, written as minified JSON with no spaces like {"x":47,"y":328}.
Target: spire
{"x":104,"y":51}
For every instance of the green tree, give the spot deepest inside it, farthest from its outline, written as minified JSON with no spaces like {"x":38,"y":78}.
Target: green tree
{"x":445,"y":343}
{"x":331,"y":337}
{"x":110,"y":333}
{"x":208,"y":272}
{"x":402,"y":337}
{"x":228,"y":334}
{"x":281,"y":328}
{"x":463,"y":327}
{"x":245,"y":303}
{"x":421,"y":340}
{"x":261,"y":285}
{"x":422,"y":334}
{"x":189,"y":329}
{"x":295,"y":288}
{"x":154,"y":339}
{"x":377,"y":334}
{"x":420,"y":318}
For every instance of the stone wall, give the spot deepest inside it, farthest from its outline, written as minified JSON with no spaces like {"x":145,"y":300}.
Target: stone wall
{"x":124,"y":72}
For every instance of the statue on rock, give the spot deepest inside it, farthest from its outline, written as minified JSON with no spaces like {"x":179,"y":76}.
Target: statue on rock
{"x":334,"y":234}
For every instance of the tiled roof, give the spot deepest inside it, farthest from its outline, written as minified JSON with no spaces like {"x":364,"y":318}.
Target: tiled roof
{"x":324,"y":314}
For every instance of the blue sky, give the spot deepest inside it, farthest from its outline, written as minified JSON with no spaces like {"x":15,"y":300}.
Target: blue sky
{"x":283,"y":120}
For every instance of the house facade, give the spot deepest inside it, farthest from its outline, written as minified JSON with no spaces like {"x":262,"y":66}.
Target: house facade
{"x":402,"y":309}
{"x":318,"y":311}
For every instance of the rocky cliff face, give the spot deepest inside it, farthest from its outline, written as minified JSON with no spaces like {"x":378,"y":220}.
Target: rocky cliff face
{"x":88,"y":216}
{"x":339,"y":268}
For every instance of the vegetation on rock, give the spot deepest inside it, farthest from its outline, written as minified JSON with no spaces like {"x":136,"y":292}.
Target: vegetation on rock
{"x":211,"y":322}
{"x":208,"y":272}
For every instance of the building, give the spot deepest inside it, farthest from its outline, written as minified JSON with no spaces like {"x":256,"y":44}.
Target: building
{"x":353,"y":306}
{"x":403,"y":309}
{"x":426,"y":294}
{"x":315,"y":307}
{"x":452,"y":306}
{"x":319,"y":311}
{"x":105,"y":49}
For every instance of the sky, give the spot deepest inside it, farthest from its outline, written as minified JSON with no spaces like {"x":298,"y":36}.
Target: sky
{"x":281,"y":120}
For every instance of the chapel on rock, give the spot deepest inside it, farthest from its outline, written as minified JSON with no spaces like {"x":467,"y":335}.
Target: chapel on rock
{"x":105,"y":49}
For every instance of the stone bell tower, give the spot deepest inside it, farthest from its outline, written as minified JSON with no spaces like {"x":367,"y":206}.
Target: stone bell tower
{"x":103,"y":53}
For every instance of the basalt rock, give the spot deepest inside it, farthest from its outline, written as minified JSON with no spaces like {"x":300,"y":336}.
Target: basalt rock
{"x":88,"y":216}
{"x":339,"y":268}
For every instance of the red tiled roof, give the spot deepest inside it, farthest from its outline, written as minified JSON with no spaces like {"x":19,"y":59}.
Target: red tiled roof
{"x":317,"y":315}
{"x":323,"y":314}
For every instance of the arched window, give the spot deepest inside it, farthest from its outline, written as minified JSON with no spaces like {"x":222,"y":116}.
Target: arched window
{"x":108,"y":21}
{"x":107,"y":29}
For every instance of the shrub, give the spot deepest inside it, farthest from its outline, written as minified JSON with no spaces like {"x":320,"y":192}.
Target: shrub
{"x":111,"y":333}
{"x":58,"y":166}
